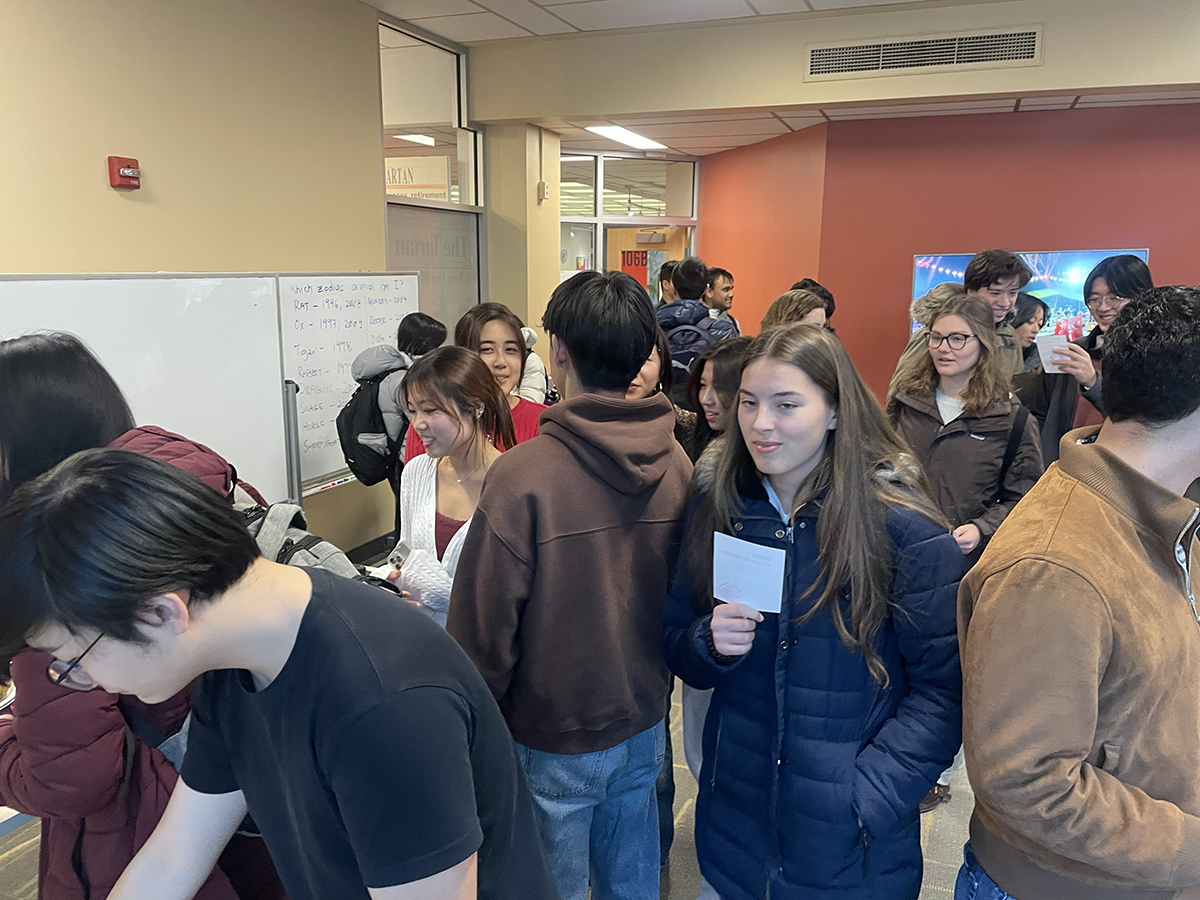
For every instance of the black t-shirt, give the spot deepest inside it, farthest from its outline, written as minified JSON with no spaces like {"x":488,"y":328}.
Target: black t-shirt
{"x":377,"y":757}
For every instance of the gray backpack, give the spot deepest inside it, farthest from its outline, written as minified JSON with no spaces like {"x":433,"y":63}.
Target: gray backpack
{"x":282,"y":536}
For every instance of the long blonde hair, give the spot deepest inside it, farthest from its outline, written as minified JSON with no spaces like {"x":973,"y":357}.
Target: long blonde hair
{"x":866,"y":469}
{"x":987,"y":381}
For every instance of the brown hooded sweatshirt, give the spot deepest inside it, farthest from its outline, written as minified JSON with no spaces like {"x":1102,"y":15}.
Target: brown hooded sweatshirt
{"x":563,"y":577}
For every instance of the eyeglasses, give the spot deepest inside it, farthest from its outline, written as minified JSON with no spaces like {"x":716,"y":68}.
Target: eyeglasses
{"x":956,"y":340}
{"x":69,"y":675}
{"x":1105,"y":300}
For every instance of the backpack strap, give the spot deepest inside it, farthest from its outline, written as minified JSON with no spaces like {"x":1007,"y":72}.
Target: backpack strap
{"x":290,"y":548}
{"x":1020,"y":419}
{"x":278,"y":518}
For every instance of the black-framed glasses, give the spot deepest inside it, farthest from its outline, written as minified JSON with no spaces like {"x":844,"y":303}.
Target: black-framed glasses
{"x":69,"y":675}
{"x":957,"y":340}
{"x":1105,"y":300}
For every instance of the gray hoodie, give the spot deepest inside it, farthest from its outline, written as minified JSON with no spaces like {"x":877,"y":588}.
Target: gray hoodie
{"x":374,"y":361}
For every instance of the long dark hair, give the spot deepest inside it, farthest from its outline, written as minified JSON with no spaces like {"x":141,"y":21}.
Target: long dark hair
{"x":55,"y":399}
{"x":666,"y":377}
{"x":456,"y":381}
{"x":726,"y":358}
{"x":867,"y":468}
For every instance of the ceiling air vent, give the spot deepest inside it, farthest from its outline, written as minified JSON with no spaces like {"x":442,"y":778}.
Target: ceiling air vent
{"x":1011,"y":47}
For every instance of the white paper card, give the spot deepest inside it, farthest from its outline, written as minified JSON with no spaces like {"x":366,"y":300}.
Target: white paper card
{"x":748,"y":573}
{"x":1046,"y":343}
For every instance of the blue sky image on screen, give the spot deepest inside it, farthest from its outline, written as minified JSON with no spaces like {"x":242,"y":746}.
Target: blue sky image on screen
{"x":1057,"y":280}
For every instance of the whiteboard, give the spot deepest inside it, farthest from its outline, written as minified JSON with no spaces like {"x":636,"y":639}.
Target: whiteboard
{"x":326,"y":321}
{"x":198,"y":355}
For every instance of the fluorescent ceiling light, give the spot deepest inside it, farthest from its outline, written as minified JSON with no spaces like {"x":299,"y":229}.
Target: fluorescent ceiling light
{"x":416,"y":139}
{"x":575,"y":158}
{"x":626,"y":137}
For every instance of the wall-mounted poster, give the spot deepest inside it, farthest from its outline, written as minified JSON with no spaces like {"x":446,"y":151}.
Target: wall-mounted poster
{"x":419,"y":177}
{"x":1057,"y":281}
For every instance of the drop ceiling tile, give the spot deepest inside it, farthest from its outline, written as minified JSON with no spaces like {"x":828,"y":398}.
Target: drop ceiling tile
{"x":673,"y":117}
{"x":691,"y":145}
{"x":921,"y":109}
{"x":597,"y":15}
{"x":709,"y":151}
{"x":770,"y":126}
{"x":849,"y":4}
{"x":528,"y":15}
{"x":649,"y":119}
{"x":910,"y":115}
{"x":771,"y":7}
{"x":417,"y":9}
{"x":799,"y":122}
{"x":483,"y":26}
{"x":1029,"y":104}
{"x":1086,"y":103}
{"x":1166,"y":96}
{"x":593,"y":145}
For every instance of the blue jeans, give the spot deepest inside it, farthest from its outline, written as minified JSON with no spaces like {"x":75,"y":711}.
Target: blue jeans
{"x":973,"y":883}
{"x":598,"y":816}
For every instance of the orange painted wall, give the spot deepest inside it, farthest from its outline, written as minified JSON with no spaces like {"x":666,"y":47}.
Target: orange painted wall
{"x":760,"y":217}
{"x":894,"y":188}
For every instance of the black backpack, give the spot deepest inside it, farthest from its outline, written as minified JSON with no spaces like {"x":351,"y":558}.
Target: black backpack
{"x":371,"y":455}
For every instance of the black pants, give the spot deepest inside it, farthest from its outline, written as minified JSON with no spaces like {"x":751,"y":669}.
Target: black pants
{"x":664,"y":787}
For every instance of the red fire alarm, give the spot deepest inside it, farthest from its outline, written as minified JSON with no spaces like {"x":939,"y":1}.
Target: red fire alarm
{"x":123,"y":172}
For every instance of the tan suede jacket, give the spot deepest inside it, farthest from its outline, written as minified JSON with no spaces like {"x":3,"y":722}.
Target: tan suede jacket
{"x":1080,"y":648}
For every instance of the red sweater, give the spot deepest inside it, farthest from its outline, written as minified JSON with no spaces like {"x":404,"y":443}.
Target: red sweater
{"x":525,"y":416}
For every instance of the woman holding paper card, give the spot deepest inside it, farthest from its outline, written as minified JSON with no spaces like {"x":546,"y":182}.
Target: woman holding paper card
{"x":831,"y":718}
{"x":1070,"y":396}
{"x":979,"y":447}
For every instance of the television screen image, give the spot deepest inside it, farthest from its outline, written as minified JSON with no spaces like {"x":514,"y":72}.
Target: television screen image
{"x":1057,"y":281}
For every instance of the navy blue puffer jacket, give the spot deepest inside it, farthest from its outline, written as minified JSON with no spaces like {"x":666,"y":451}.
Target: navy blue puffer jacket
{"x":690,"y":331}
{"x":812,"y":771}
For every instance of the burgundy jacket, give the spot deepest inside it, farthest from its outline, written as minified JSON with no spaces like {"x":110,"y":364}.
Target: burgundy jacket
{"x":69,"y":758}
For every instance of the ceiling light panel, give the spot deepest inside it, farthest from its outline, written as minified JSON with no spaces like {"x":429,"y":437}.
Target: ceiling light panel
{"x":626,"y":137}
{"x":416,"y":139}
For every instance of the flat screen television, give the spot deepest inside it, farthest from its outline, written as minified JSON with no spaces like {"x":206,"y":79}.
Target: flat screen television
{"x":1057,"y":281}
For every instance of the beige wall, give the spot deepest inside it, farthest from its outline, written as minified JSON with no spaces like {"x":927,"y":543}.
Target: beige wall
{"x":1087,"y":44}
{"x":257,"y":125}
{"x":523,"y":234}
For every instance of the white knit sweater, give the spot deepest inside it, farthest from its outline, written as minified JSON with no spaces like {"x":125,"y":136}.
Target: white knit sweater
{"x":418,"y":507}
